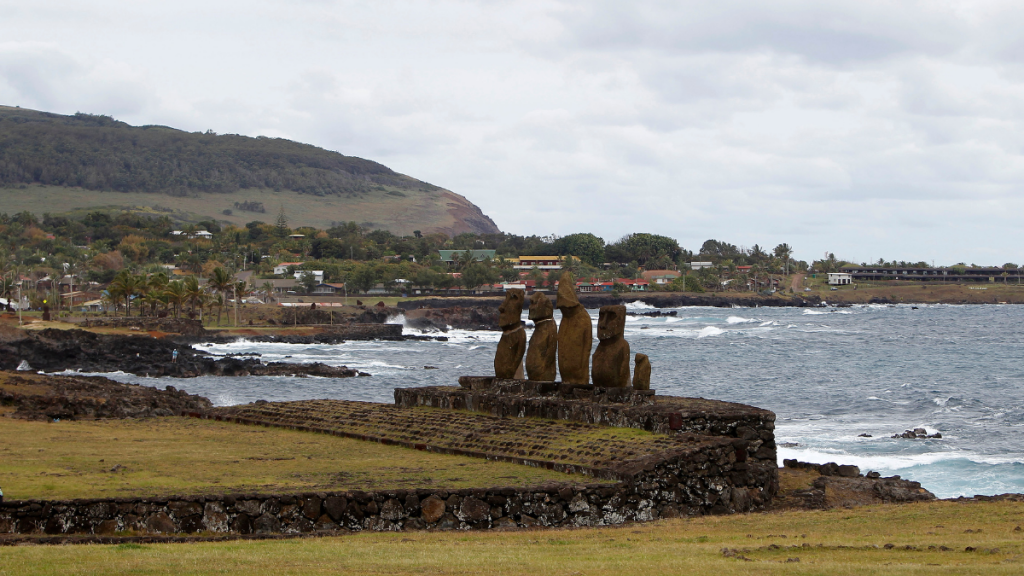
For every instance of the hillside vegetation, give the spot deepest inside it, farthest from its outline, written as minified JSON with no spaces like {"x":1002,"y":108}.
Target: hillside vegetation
{"x":99,"y":154}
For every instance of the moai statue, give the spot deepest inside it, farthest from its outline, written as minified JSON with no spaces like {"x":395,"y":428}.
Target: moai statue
{"x":575,"y":334}
{"x":642,"y":373}
{"x":509,"y":357}
{"x":540,"y":356}
{"x":611,"y":359}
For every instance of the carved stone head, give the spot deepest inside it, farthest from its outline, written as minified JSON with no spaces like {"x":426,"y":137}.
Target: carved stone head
{"x":567,"y":292}
{"x":611,"y":323}
{"x":510,"y":312}
{"x":540,"y":307}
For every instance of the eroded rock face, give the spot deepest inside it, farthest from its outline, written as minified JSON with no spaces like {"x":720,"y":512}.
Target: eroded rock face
{"x":642,"y":373}
{"x":542,"y":353}
{"x":512,"y":346}
{"x":574,"y":334}
{"x":611,"y":359}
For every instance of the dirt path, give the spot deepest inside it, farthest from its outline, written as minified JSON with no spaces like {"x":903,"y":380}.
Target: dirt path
{"x":797,"y":285}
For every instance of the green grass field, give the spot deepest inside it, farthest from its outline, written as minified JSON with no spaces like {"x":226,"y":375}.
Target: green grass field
{"x":401,"y":212}
{"x":163,"y":456}
{"x":874,"y":540}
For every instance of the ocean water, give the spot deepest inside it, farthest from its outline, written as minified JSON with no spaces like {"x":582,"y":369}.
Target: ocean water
{"x":829,"y":374}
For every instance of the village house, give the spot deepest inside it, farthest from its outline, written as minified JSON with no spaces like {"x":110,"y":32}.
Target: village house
{"x":839,"y":278}
{"x":329,"y":288}
{"x":282,"y":268}
{"x":318,"y":275}
{"x":660,"y":277}
{"x":539,"y":262}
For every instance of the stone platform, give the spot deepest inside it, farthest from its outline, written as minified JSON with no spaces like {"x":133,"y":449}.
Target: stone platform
{"x":618,"y":407}
{"x":704,"y":457}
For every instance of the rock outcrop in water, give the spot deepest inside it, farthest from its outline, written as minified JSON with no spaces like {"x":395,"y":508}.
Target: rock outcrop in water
{"x":457,"y":317}
{"x":38,"y":397}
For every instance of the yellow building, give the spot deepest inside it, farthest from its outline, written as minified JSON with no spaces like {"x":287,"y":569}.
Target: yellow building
{"x":539,"y":262}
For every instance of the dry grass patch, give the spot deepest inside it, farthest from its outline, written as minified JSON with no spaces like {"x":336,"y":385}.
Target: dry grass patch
{"x":163,"y":456}
{"x":837,"y":543}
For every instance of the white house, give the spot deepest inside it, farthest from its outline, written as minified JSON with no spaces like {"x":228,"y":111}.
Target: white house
{"x":700,"y":265}
{"x":283,"y":267}
{"x":839,"y":278}
{"x":318,"y":275}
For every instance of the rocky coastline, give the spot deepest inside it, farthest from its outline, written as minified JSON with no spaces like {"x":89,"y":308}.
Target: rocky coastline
{"x":655,"y":299}
{"x":54,"y":350}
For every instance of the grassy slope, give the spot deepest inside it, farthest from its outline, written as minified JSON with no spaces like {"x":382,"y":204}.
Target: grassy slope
{"x":837,"y":542}
{"x":187,"y":456}
{"x":417,"y":210}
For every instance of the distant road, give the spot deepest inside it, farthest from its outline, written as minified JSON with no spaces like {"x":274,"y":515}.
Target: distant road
{"x":796,"y":286}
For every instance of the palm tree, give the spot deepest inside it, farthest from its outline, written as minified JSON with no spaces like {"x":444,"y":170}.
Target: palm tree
{"x":193,"y":291}
{"x":125,"y":285}
{"x":268,"y":290}
{"x":784,"y":252}
{"x":220,"y":282}
{"x":218,"y":302}
{"x":175,"y":294}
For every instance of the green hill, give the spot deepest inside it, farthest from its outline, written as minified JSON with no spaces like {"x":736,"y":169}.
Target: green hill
{"x":55,"y":163}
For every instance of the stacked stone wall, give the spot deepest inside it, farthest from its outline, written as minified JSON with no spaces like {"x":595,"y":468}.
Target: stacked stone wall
{"x":183,"y":326}
{"x":707,"y":479}
{"x":754,"y":427}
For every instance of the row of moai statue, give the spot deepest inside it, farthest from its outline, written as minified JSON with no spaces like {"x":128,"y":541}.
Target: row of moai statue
{"x":570,"y":342}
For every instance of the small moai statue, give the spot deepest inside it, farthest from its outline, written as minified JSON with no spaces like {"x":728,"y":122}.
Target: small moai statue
{"x":575,"y":334}
{"x":642,"y":373}
{"x":611,"y":359}
{"x":509,"y":357}
{"x":541,"y":354}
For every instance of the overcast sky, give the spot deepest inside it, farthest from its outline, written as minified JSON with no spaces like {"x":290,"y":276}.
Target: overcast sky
{"x":869,"y":129}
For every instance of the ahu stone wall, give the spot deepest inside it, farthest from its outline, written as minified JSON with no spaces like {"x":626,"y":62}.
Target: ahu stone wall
{"x":709,"y":478}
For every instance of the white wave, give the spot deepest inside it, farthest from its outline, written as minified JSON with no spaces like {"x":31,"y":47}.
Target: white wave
{"x":638,"y":305}
{"x":809,"y":312}
{"x":672,"y":320}
{"x":892,"y":462}
{"x":738,"y":320}
{"x":709,"y":331}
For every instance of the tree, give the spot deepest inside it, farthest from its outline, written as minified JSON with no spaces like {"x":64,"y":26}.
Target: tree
{"x":282,"y":223}
{"x":125,"y":286}
{"x":308,"y":281}
{"x":714,"y":248}
{"x":584,"y":246}
{"x":220,"y":282}
{"x":643,"y":247}
{"x":193,"y":292}
{"x":268,"y":291}
{"x":478,"y":274}
{"x":784,"y":252}
{"x":175,"y":294}
{"x":363,"y":278}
